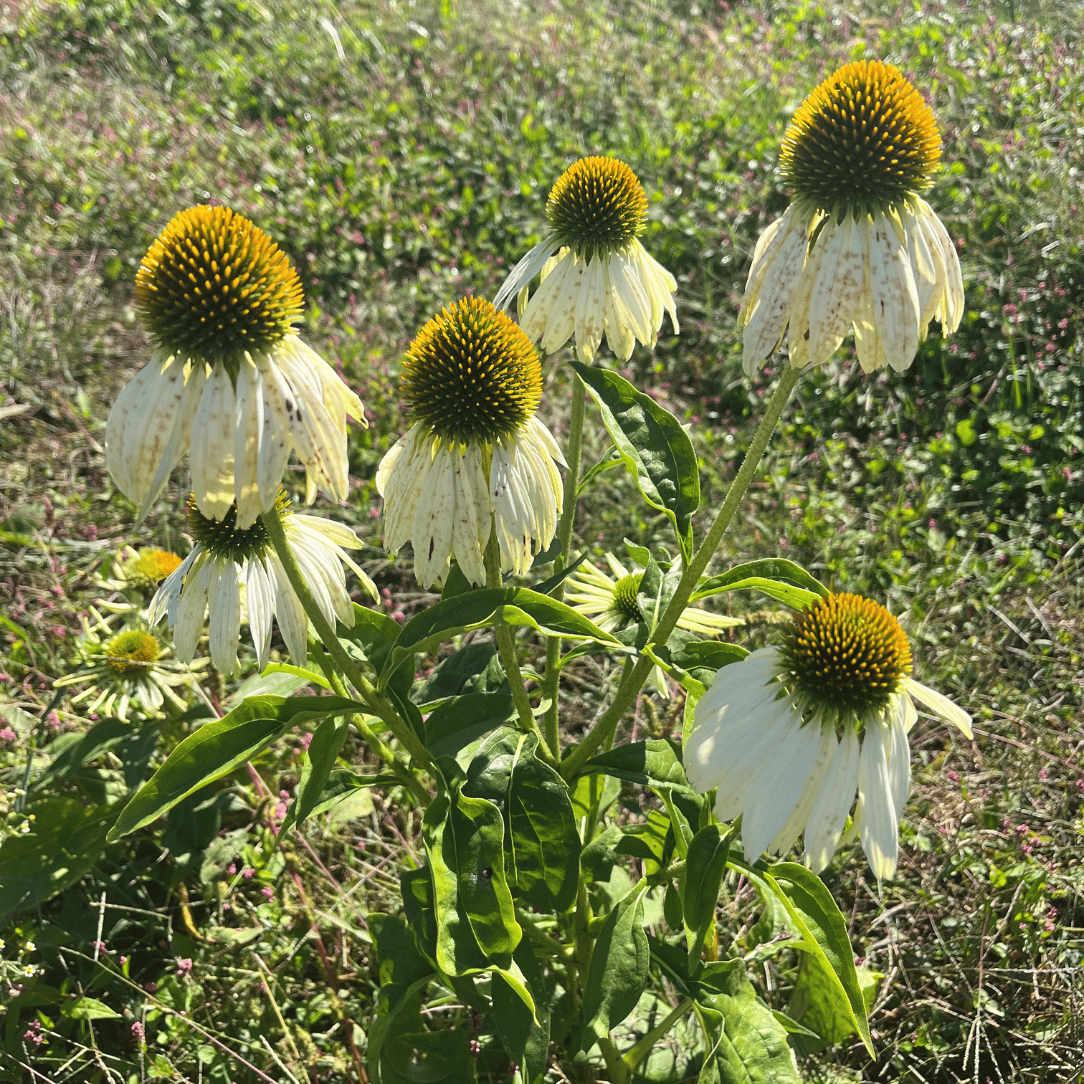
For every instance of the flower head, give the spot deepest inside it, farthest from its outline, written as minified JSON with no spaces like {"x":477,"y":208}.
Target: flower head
{"x":220,"y":300}
{"x":790,"y":734}
{"x":226,"y":555}
{"x":476,"y":459}
{"x":125,"y":669}
{"x":612,"y":602}
{"x":140,"y":571}
{"x":602,"y":280}
{"x":859,"y":247}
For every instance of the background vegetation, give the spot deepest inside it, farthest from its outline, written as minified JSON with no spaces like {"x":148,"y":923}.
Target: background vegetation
{"x":401,"y":153}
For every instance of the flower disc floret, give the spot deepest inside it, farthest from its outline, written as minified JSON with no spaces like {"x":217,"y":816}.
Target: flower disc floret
{"x":846,"y":656}
{"x":214,"y":286}
{"x":625,"y":591}
{"x":131,"y":653}
{"x":597,"y":207}
{"x":471,"y":375}
{"x":863,"y":141}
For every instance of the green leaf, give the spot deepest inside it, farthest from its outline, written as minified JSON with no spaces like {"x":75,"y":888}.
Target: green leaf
{"x":453,"y":674}
{"x":66,"y":838}
{"x":320,"y":757}
{"x":478,"y":609}
{"x":401,"y":963}
{"x":88,"y":1008}
{"x":745,"y":1041}
{"x":464,"y":719}
{"x":525,"y":1036}
{"x":654,"y":762}
{"x":544,"y":843}
{"x":775,"y":577}
{"x":654,"y":447}
{"x":704,"y":869}
{"x":476,"y":924}
{"x":618,"y":972}
{"x":99,"y":739}
{"x":218,"y":747}
{"x":828,"y":996}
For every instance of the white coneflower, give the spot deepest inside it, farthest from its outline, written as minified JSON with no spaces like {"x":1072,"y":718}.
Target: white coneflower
{"x":124,"y":670}
{"x":225,"y":556}
{"x":229,"y":381}
{"x":859,"y":247}
{"x":603,"y":281}
{"x":790,"y":734}
{"x":613,"y":604}
{"x":477,"y":459}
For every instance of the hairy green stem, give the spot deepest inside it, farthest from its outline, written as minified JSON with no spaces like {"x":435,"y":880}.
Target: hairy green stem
{"x":633,"y":680}
{"x":564,"y":537}
{"x":378,"y":704}
{"x":402,"y":772}
{"x":506,"y":648}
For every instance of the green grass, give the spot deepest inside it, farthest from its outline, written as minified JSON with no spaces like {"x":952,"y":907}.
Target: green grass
{"x":401,"y":154}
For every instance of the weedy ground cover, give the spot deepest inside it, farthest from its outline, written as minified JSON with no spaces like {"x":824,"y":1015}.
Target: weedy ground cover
{"x":401,"y":154}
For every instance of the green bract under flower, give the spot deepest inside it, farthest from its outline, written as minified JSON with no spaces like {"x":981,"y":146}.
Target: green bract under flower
{"x":597,"y":207}
{"x":222,"y":538}
{"x":471,"y":375}
{"x":846,"y":656}
{"x":863,"y":141}
{"x":213,"y":286}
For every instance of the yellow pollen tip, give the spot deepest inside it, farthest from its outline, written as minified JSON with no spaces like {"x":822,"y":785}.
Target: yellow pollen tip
{"x":471,"y":374}
{"x":846,"y":655}
{"x":864,"y":140}
{"x":597,"y":207}
{"x":214,"y":285}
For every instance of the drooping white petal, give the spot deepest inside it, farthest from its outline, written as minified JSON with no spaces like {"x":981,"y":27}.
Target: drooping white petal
{"x":770,"y":805}
{"x":875,"y":816}
{"x":191,"y":608}
{"x":525,"y":270}
{"x":893,"y":294}
{"x":211,"y":456}
{"x":771,"y":285}
{"x":837,"y":292}
{"x":249,"y":425}
{"x":292,"y":619}
{"x":590,"y":307}
{"x":260,"y":598}
{"x":431,"y":531}
{"x":224,"y":601}
{"x":940,"y":705}
{"x":832,"y":803}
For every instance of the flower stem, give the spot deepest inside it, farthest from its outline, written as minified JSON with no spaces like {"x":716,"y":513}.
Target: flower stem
{"x":634,"y":679}
{"x":377,"y":703}
{"x":506,"y":648}
{"x":564,"y":537}
{"x":402,"y":772}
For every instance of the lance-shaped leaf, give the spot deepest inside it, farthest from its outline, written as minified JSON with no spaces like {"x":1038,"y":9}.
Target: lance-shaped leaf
{"x":525,"y":1035}
{"x":220,"y":746}
{"x":464,"y":841}
{"x":327,"y":741}
{"x":704,"y":869}
{"x":775,"y":577}
{"x":828,"y":997}
{"x":475,"y":609}
{"x":745,"y":1042}
{"x":620,"y":961}
{"x":653,"y":445}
